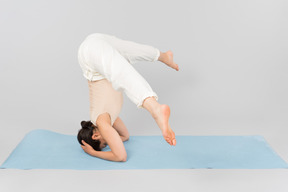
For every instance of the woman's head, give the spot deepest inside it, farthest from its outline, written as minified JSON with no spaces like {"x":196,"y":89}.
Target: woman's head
{"x":91,"y":135}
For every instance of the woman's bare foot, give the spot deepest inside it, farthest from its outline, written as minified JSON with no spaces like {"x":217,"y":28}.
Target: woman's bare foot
{"x":167,"y":58}
{"x":160,"y":114}
{"x":161,"y":119}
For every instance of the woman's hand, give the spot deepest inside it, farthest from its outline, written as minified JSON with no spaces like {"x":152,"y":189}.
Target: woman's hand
{"x":108,"y":155}
{"x":87,"y":148}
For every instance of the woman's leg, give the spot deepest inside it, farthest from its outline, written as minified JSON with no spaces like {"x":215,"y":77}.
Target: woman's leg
{"x":122,"y":75}
{"x":135,"y":52}
{"x":115,"y":68}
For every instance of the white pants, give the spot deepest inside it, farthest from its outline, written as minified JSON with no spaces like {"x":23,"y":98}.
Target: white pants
{"x":103,"y":56}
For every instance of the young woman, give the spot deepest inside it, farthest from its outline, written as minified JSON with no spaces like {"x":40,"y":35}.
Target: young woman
{"x":106,"y":64}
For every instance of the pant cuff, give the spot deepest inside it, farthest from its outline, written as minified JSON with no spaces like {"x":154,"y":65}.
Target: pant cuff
{"x":140,"y":104}
{"x":157,"y":55}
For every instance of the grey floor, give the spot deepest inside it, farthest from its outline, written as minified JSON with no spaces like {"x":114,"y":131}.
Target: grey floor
{"x":274,"y":130}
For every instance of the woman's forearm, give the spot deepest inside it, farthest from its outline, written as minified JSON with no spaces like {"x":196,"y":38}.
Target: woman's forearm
{"x":120,"y":127}
{"x":107,"y":155}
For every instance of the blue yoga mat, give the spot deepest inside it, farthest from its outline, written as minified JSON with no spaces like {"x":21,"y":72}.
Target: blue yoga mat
{"x":43,"y":149}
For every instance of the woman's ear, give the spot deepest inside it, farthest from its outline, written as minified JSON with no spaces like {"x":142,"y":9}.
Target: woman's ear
{"x":96,"y":135}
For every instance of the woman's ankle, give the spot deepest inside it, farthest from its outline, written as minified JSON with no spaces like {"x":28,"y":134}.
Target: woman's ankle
{"x":161,"y":56}
{"x":152,"y":106}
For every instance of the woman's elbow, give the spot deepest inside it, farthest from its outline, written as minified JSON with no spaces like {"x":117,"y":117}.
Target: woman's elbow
{"x":124,"y":159}
{"x":121,"y":156}
{"x":124,"y":138}
{"x":127,"y":137}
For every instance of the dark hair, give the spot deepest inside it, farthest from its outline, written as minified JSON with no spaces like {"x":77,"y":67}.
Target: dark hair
{"x":86,"y":134}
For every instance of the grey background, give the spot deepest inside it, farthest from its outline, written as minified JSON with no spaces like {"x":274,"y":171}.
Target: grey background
{"x":232,"y":81}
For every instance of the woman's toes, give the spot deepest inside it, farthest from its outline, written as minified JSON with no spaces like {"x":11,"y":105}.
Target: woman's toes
{"x":174,"y":142}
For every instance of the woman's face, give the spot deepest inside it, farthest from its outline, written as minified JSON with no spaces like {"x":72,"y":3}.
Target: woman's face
{"x":97,"y":135}
{"x":103,"y":143}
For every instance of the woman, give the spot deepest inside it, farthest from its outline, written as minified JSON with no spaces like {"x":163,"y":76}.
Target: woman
{"x":106,"y":64}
